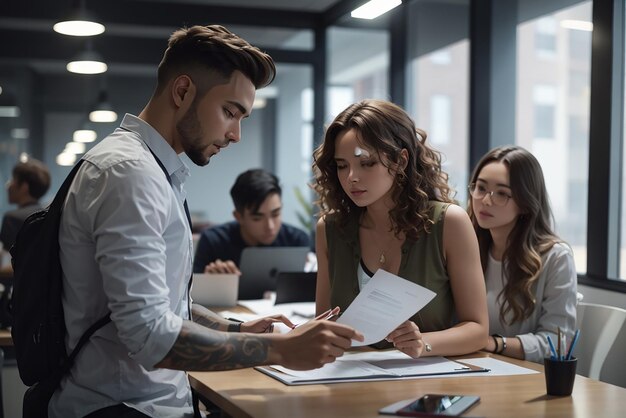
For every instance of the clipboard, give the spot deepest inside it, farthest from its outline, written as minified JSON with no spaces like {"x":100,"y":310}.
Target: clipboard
{"x":372,"y":366}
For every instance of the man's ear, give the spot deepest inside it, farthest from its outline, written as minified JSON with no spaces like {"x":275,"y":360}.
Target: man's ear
{"x":237,"y":215}
{"x":183,"y":90}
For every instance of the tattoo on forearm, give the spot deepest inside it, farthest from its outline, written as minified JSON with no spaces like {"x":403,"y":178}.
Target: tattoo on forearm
{"x":209,"y":319}
{"x":206,"y":322}
{"x":200,"y":349}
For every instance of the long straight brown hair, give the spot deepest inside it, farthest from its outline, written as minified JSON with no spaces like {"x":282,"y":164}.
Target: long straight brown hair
{"x":531,"y":237}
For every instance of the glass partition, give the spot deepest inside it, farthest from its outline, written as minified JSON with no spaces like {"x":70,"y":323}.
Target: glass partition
{"x":357,"y":67}
{"x":553,"y":89}
{"x":438,"y":83}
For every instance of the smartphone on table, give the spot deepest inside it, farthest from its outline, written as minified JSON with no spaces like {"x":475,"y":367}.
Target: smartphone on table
{"x":432,"y":404}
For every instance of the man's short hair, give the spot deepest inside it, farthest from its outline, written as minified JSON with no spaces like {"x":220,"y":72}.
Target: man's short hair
{"x":251,"y":189}
{"x":197,"y":50}
{"x":35,"y":174}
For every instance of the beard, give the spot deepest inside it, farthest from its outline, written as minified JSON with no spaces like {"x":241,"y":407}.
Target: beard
{"x":191,"y":135}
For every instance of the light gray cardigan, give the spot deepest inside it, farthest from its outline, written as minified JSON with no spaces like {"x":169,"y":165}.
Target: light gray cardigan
{"x":555,"y":292}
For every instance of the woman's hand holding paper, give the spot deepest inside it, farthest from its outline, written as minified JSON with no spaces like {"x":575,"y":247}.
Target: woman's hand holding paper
{"x":408,"y":339}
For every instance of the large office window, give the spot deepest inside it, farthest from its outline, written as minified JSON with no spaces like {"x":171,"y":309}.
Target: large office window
{"x":622,"y":258}
{"x":438,"y":82}
{"x":294,"y":139}
{"x":276,"y":37}
{"x":553,"y":81}
{"x":357,"y":66}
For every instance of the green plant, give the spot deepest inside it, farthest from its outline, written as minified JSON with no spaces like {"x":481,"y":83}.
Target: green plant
{"x":305,"y":217}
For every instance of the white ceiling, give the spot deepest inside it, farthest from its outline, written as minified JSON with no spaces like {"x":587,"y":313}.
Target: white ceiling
{"x":300,"y":5}
{"x":142,"y":25}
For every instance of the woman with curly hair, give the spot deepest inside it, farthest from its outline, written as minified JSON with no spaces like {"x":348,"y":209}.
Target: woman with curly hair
{"x":529,"y":271}
{"x":385,"y":204}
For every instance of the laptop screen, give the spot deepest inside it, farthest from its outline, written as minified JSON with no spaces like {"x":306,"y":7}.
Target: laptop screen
{"x":260,"y":266}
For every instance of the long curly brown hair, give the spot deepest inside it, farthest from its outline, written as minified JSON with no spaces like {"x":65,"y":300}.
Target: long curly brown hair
{"x":387,"y":129}
{"x":531,"y":237}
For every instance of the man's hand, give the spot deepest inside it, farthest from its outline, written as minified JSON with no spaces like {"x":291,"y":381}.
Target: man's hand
{"x":224,"y":267}
{"x":265,"y":324}
{"x":408,"y":339}
{"x":312,"y":344}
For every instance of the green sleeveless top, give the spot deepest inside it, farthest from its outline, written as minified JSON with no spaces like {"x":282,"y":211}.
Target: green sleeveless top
{"x":422,"y":263}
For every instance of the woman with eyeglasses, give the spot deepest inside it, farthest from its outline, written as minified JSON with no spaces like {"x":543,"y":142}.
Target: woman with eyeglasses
{"x":385,"y":204}
{"x":529,"y":271}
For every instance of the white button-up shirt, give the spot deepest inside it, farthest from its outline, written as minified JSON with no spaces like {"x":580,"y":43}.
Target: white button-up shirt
{"x":126,"y":247}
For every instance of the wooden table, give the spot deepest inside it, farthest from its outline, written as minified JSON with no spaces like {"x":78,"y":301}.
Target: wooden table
{"x":249,"y":393}
{"x":5,"y":338}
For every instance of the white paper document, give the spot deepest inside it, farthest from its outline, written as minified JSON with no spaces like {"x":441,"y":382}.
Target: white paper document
{"x":384,"y":303}
{"x":376,"y":365}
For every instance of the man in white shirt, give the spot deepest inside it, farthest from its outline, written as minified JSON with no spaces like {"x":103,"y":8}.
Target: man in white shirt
{"x":126,"y":246}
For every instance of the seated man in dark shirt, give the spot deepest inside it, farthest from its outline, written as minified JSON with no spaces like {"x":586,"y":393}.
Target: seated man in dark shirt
{"x":30,"y":181}
{"x":256,"y":195}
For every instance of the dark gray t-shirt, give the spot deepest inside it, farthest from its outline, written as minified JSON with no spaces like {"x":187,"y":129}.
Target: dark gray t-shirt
{"x":12,"y":222}
{"x":224,"y":242}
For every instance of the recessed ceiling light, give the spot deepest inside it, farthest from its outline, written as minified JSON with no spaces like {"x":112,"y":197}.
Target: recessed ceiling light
{"x":374,"y":8}
{"x":8,"y":106}
{"x":84,"y":135}
{"x":9,"y":111}
{"x":103,"y":112}
{"x":20,"y":133}
{"x":103,"y":116}
{"x":66,"y":158}
{"x":78,"y":28}
{"x":75,"y":147}
{"x":80,"y":22}
{"x":87,"y":62}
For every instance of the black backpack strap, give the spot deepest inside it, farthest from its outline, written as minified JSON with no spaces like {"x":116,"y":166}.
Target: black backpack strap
{"x":169,"y":179}
{"x":167,"y":175}
{"x":59,"y":198}
{"x":54,"y":210}
{"x":37,"y":397}
{"x":55,"y":207}
{"x":83,"y":340}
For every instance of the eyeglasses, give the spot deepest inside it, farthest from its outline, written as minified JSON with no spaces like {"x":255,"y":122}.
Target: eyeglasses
{"x":498,"y":198}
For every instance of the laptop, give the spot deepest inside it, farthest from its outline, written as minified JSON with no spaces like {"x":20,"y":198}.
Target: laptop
{"x":215,"y":290}
{"x":260,"y":266}
{"x":295,"y":286}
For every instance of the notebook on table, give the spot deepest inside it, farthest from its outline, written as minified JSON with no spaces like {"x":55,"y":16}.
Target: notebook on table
{"x":371,"y":366}
{"x":215,"y":290}
{"x":260,"y":266}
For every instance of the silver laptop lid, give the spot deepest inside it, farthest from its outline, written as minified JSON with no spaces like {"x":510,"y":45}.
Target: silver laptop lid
{"x":215,"y":290}
{"x":260,"y":266}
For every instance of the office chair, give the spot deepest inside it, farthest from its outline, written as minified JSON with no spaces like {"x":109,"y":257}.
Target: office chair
{"x":602,"y":343}
{"x":5,"y":301}
{"x":1,"y":393}
{"x":6,"y":289}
